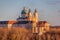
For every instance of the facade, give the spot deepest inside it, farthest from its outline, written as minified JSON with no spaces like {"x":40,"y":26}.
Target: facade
{"x":29,"y":21}
{"x":43,"y":27}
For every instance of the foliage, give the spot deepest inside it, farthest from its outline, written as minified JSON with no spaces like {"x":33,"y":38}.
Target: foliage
{"x":15,"y":33}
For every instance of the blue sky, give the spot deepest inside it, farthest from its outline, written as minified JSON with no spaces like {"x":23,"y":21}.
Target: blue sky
{"x":48,"y":10}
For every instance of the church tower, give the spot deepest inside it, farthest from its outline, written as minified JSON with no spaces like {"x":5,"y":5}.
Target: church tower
{"x":35,"y":21}
{"x":29,"y":15}
{"x":36,"y":15}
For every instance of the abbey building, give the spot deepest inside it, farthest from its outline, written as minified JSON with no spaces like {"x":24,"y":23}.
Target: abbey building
{"x":28,"y":20}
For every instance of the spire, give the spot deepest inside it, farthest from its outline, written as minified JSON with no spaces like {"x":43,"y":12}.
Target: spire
{"x":29,"y":15}
{"x":36,"y":15}
{"x":35,"y":10}
{"x":29,"y":10}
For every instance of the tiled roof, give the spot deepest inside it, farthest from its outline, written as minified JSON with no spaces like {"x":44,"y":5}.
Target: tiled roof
{"x":11,"y":22}
{"x":41,"y":23}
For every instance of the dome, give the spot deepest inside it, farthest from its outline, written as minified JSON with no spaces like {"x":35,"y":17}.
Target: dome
{"x":24,"y":11}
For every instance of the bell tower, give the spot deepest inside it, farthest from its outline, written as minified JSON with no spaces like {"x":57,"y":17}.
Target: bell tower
{"x":35,"y":21}
{"x":29,"y":15}
{"x":36,"y":15}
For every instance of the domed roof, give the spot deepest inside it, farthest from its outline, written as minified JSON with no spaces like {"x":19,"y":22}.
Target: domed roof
{"x":24,"y":11}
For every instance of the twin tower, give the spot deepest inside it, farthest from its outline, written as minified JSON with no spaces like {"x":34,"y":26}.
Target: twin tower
{"x":27,"y":13}
{"x":34,"y":18}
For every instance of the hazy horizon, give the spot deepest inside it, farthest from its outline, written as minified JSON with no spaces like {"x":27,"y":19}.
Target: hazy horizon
{"x":48,"y":10}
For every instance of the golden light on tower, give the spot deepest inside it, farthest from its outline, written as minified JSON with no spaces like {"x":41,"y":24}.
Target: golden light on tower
{"x":36,"y":15}
{"x":30,"y":15}
{"x":35,"y":21}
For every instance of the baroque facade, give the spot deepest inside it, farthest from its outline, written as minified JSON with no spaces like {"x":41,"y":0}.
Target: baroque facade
{"x":29,"y":20}
{"x":32,"y":21}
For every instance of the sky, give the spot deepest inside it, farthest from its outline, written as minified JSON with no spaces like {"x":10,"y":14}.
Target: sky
{"x":48,"y":10}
